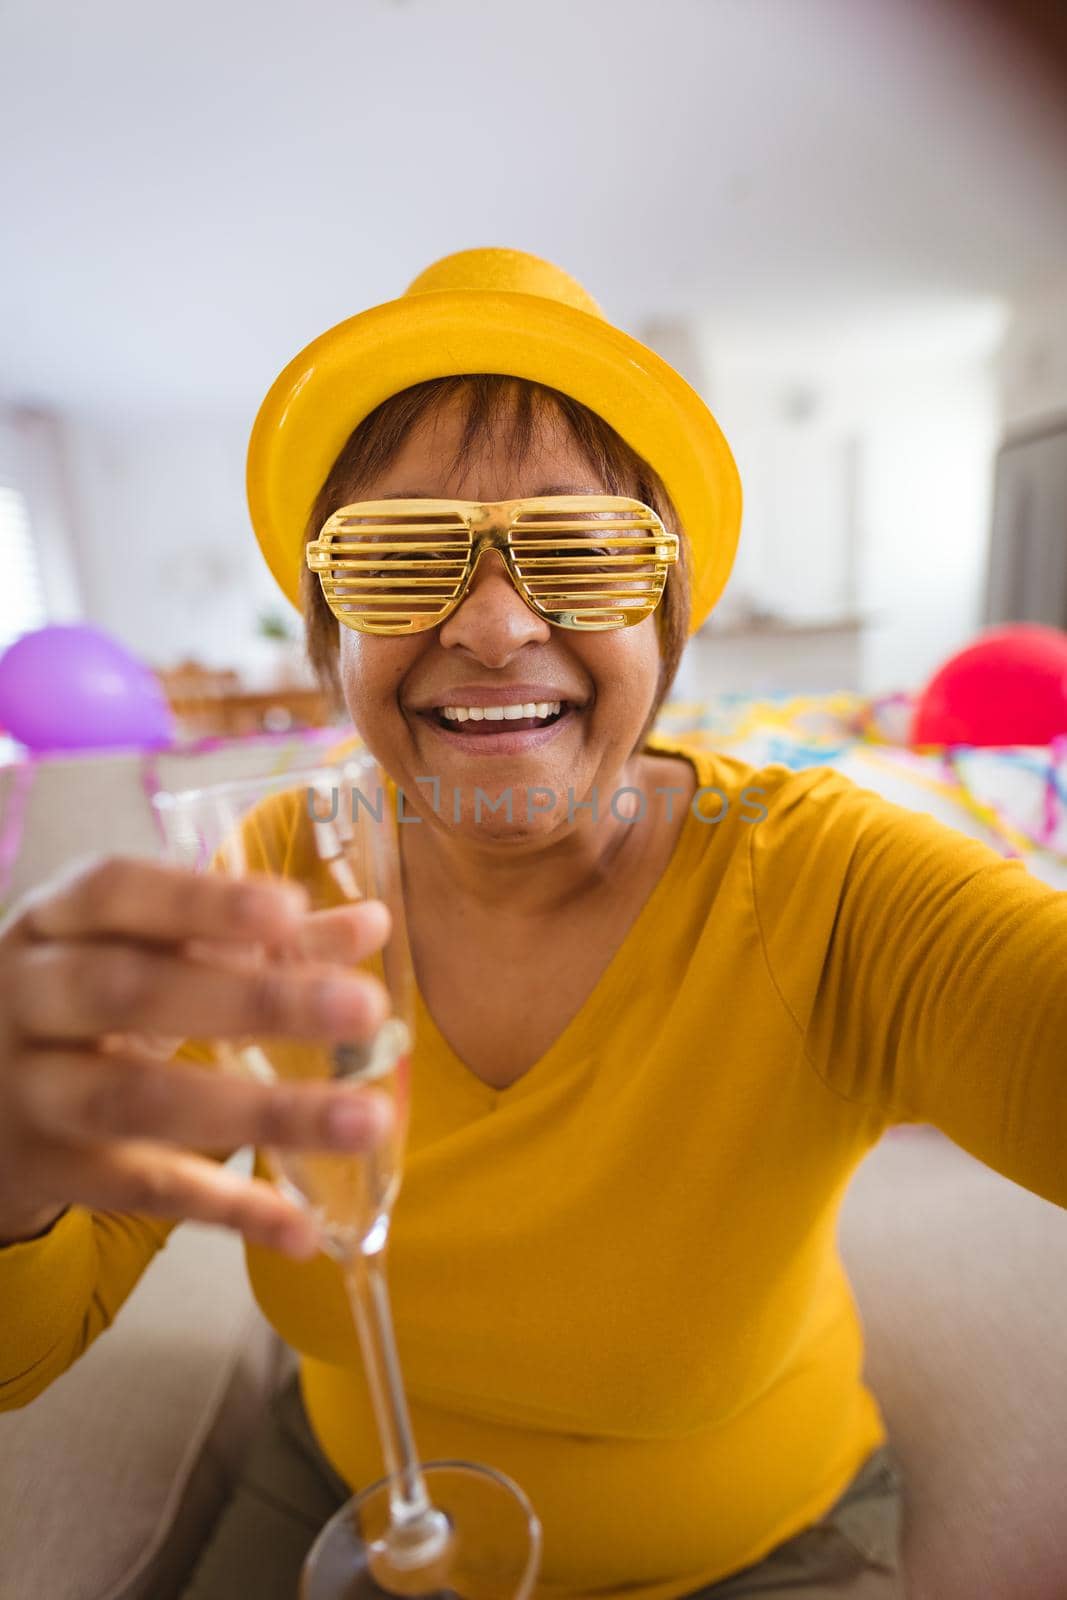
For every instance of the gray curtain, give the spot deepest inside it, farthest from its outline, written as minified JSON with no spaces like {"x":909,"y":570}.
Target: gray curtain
{"x":1027,"y":577}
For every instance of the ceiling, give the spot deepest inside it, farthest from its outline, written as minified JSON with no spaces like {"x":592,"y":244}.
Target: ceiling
{"x":190,"y":195}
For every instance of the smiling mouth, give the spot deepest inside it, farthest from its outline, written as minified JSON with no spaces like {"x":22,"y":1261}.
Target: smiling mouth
{"x":478,"y":721}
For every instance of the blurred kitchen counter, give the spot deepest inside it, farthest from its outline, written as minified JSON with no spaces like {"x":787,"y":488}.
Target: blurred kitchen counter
{"x":762,"y":654}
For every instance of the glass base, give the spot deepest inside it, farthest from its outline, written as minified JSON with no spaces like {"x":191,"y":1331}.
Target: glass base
{"x":481,"y":1541}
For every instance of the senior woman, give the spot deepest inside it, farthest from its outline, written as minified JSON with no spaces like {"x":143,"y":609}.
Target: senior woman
{"x":663,"y":1012}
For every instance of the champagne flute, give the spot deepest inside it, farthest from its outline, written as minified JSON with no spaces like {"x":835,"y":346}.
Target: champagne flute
{"x":443,"y":1530}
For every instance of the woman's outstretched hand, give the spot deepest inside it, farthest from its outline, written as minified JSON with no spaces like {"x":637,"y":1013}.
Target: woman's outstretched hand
{"x":103,"y":973}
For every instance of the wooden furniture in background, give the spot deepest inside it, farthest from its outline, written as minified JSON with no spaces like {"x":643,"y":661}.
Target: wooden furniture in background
{"x":213,"y":703}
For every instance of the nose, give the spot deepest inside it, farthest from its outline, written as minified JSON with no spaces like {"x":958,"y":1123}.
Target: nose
{"x":492,"y":621}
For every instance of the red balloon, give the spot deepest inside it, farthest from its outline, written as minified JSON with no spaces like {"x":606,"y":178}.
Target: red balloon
{"x":1009,"y":687}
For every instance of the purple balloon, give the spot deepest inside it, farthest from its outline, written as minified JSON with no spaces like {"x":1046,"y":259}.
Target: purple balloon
{"x":73,"y":687}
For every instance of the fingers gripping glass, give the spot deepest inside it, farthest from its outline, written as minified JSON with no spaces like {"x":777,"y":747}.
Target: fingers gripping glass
{"x":426,"y":1530}
{"x":579,"y":561}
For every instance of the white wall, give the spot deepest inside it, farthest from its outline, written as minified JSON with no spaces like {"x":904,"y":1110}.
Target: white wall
{"x":866,"y":456}
{"x":169,"y":561}
{"x":926,"y":506}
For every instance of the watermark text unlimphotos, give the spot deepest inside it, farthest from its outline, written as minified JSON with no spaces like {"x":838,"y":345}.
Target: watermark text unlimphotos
{"x":627,"y":804}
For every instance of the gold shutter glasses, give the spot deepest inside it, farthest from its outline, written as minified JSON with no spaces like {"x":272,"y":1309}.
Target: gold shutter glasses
{"x":588,"y":562}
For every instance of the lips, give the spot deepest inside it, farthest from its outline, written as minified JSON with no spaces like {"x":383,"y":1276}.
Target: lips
{"x":495,"y":694}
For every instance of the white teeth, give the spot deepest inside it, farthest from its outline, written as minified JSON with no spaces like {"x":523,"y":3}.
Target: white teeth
{"x":543,"y":708}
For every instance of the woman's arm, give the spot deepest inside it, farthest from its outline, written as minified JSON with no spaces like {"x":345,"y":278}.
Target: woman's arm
{"x":60,"y":1290}
{"x":926,"y":974}
{"x":67,"y":1283}
{"x":105,"y":1137}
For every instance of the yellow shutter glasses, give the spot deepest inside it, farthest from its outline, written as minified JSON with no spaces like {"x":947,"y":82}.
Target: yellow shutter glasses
{"x":579,"y":561}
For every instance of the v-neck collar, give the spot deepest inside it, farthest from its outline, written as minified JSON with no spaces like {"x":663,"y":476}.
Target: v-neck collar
{"x":575,"y":1044}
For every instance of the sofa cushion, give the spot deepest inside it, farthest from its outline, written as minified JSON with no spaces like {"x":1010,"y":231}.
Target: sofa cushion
{"x":112,"y":1478}
{"x":961,"y":1281}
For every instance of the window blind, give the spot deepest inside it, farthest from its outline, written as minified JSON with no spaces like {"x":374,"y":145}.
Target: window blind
{"x":22,"y":602}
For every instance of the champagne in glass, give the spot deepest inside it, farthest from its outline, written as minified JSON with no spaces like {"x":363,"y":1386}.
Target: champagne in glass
{"x":450,"y":1530}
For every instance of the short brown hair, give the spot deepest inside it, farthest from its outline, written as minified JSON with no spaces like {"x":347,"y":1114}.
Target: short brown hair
{"x":493,"y":401}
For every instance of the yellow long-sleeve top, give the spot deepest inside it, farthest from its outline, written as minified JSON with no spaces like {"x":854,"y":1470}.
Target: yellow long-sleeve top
{"x":617,"y":1280}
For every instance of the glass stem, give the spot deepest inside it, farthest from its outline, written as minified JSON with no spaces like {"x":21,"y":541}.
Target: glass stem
{"x":369,"y":1293}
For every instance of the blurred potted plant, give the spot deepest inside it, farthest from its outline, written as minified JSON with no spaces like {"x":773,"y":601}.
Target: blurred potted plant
{"x":287,"y":639}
